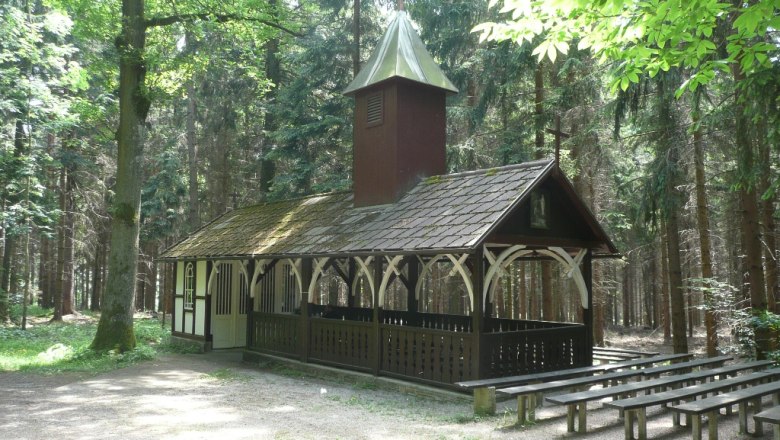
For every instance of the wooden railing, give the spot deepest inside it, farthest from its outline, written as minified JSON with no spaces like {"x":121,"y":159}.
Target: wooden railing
{"x":409,"y":348}
{"x":533,"y":351}
{"x":495,"y":325}
{"x":342,"y":342}
{"x":453,"y":323}
{"x":342,"y":313}
{"x":427,"y":354}
{"x":275,"y":333}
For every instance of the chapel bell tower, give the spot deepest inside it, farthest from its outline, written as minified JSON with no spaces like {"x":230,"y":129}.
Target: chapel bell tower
{"x":400,"y":117}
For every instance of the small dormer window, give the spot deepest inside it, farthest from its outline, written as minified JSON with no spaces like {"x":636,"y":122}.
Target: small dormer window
{"x":375,"y":108}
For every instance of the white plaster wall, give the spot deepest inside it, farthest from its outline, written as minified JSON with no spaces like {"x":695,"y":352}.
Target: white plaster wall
{"x":178,"y":315}
{"x":200,"y":319}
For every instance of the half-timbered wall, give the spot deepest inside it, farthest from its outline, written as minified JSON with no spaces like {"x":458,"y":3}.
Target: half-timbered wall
{"x":178,"y":303}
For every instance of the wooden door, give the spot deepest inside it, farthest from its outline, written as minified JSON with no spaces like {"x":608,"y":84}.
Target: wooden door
{"x":229,"y":306}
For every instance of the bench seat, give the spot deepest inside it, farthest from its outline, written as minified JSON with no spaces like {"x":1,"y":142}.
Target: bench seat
{"x":748,"y":399}
{"x":636,"y":407}
{"x":484,"y":389}
{"x":576,"y":403}
{"x":771,"y":416}
{"x":527,"y":394}
{"x":685,"y":367}
{"x":608,"y":350}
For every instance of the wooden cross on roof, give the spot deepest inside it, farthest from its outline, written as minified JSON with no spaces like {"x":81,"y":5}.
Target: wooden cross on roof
{"x":558,"y":136}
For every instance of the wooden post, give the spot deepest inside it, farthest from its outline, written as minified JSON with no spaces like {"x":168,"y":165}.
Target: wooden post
{"x":303,"y":337}
{"x":376,"y":345}
{"x":413,"y":271}
{"x":477,"y":314}
{"x":587,"y":315}
{"x":250,"y":305}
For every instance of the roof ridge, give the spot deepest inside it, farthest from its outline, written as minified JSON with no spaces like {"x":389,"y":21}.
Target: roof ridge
{"x":310,"y":196}
{"x":497,"y":169}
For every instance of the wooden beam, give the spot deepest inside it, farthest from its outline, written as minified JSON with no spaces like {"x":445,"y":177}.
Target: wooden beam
{"x":572,"y":243}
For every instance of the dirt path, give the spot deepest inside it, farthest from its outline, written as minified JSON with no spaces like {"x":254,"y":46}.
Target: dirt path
{"x":215,"y":396}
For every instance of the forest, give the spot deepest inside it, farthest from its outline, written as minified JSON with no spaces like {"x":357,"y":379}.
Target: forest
{"x":123,"y":128}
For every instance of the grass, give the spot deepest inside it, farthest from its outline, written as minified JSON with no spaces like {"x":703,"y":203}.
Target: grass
{"x":228,"y":375}
{"x":53,"y":348}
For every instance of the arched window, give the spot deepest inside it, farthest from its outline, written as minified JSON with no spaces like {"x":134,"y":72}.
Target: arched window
{"x":189,"y":286}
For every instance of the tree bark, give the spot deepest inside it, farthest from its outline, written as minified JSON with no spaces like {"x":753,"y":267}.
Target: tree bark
{"x":751,"y":232}
{"x":355,"y":37}
{"x":193,"y":208}
{"x":768,"y":222}
{"x":68,"y":271}
{"x":273,"y":73}
{"x":669,"y":147}
{"x":705,"y":248}
{"x":115,"y":329}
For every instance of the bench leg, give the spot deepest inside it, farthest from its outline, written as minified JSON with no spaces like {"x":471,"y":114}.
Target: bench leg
{"x":582,"y":421}
{"x":526,"y":408}
{"x":696,"y":427}
{"x":758,"y":430}
{"x":485,"y":401}
{"x":712,"y":424}
{"x":743,"y":418}
{"x":628,"y":424}
{"x":521,"y":410}
{"x":776,"y":430}
{"x":570,"y":409}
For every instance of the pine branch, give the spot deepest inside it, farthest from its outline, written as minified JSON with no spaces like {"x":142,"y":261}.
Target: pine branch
{"x":217,"y":18}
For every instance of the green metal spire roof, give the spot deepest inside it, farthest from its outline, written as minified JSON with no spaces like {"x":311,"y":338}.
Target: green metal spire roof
{"x":400,"y":53}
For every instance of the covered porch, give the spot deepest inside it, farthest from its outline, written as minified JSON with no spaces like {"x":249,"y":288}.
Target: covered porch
{"x":433,"y":318}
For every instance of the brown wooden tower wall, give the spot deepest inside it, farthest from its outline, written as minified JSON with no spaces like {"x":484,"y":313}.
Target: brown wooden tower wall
{"x":405,"y":142}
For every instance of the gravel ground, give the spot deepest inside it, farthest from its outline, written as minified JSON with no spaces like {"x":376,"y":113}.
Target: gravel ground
{"x":216,"y":396}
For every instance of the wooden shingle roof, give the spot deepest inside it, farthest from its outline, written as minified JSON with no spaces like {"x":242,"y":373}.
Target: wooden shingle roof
{"x":449,"y":212}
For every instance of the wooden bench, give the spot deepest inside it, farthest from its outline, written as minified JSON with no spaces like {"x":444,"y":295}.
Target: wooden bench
{"x":748,"y":399}
{"x":484,"y":389}
{"x":636,"y":407}
{"x":771,"y":416}
{"x":613,"y":350}
{"x":527,"y":394}
{"x":685,"y":367}
{"x":644,"y":362}
{"x":576,"y":403}
{"x":612,"y":358}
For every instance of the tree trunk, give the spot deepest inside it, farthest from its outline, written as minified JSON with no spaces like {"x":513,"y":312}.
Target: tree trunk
{"x":150,"y":290}
{"x":193,"y":208}
{"x":94,"y":303}
{"x":522,"y":292}
{"x":668,"y":147}
{"x":68,"y":231}
{"x":768,"y":221}
{"x":273,"y":73}
{"x":751,"y":232}
{"x":5,"y":280}
{"x":703,"y":226}
{"x":115,"y":329}
{"x":59,"y":285}
{"x":627,"y":294}
{"x":355,"y":37}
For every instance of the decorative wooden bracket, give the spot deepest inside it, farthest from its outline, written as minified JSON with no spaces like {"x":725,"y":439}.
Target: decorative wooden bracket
{"x":459,"y":267}
{"x":392,"y":268}
{"x":364,"y":266}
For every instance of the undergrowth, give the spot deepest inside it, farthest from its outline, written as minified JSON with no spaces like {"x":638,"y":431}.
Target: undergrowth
{"x":58,"y":347}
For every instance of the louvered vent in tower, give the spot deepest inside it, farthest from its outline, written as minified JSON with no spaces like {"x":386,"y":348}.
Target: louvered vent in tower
{"x":374,"y":108}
